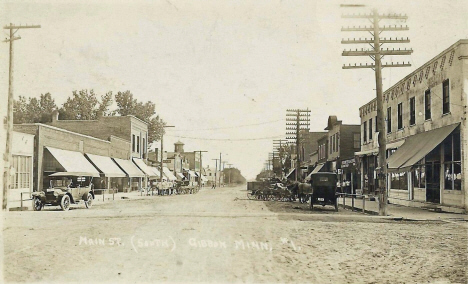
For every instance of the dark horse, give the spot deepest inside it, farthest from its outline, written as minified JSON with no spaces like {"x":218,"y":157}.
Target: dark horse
{"x":300,"y":190}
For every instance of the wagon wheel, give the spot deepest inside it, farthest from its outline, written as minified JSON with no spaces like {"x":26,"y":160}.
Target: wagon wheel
{"x":336,"y":204}
{"x":37,"y":204}
{"x":65,"y":203}
{"x":311,"y":203}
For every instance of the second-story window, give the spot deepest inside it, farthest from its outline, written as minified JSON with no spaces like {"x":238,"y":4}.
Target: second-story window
{"x":427,"y":104}
{"x":138,"y":144}
{"x":370,"y":129}
{"x":400,"y":116}
{"x":412,"y":105}
{"x":389,"y":120}
{"x":338,"y":142}
{"x":445,"y":97}
{"x":364,"y":136}
{"x":133,"y":143}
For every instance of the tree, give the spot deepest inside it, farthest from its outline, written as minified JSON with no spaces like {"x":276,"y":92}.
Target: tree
{"x":85,"y":106}
{"x":34,"y":110}
{"x":127,"y":105}
{"x":233,"y":175}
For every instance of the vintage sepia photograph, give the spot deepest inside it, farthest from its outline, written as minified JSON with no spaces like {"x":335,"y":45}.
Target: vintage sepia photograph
{"x":234,"y":141}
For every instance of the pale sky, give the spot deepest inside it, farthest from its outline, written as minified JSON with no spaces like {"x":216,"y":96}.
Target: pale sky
{"x":217,"y":64}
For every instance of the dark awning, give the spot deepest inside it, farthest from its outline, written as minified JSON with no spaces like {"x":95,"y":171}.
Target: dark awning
{"x":417,"y":147}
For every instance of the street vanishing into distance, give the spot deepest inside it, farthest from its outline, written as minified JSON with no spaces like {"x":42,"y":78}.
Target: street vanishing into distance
{"x":219,"y":236}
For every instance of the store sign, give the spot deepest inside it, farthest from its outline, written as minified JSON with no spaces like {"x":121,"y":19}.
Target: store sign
{"x":347,"y":163}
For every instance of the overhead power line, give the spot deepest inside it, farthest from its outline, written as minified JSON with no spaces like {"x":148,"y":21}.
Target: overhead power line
{"x":226,"y":139}
{"x":230,"y":127}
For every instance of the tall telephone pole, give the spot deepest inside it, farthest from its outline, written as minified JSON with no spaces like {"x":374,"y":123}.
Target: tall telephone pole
{"x":9,"y":118}
{"x":216,"y":171}
{"x":278,"y":144}
{"x":200,"y":167}
{"x":376,"y":53}
{"x":230,"y":169}
{"x":294,"y":126}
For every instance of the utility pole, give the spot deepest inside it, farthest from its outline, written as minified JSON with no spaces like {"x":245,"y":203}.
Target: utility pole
{"x":376,"y":53}
{"x":300,"y":122}
{"x":220,"y":161}
{"x":224,"y":176}
{"x":7,"y":157}
{"x":278,"y":144}
{"x":216,"y":171}
{"x":230,"y":169}
{"x":200,"y":168}
{"x":162,"y":155}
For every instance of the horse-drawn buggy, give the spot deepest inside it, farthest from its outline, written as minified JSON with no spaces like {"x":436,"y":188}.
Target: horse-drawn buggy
{"x":270,"y":189}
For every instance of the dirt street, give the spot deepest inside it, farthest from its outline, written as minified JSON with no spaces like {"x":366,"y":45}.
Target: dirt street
{"x":220,"y":236}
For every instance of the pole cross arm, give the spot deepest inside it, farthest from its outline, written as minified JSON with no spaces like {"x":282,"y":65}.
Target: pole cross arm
{"x":373,"y":66}
{"x":370,"y":16}
{"x":382,"y":52}
{"x":371,"y":29}
{"x":12,"y":27}
{"x":12,"y":39}
{"x":382,"y":40}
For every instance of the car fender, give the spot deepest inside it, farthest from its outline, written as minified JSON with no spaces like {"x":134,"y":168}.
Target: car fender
{"x":72,"y":200}
{"x":39,"y":194}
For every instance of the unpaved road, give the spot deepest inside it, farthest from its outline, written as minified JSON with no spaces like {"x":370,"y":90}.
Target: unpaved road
{"x":219,"y":236}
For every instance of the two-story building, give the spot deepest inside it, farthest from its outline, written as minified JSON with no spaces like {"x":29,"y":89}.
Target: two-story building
{"x":426,"y":133}
{"x":129,"y":128}
{"x":343,"y":142}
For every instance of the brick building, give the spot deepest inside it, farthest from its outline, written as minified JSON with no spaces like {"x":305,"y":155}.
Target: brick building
{"x":336,"y":152}
{"x":127,"y":127}
{"x":52,"y":146}
{"x":426,"y":133}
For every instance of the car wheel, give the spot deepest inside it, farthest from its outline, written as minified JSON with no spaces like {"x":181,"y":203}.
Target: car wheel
{"x":65,"y":203}
{"x":89,"y":202}
{"x":37,"y":204}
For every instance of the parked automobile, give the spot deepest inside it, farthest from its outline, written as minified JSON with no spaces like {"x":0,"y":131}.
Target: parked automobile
{"x":65,"y":189}
{"x":324,"y":190}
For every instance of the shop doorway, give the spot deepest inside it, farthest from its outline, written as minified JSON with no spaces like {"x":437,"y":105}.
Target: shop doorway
{"x":433,"y":182}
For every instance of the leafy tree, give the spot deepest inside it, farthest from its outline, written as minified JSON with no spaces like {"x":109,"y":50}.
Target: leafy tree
{"x":20,"y":109}
{"x":127,"y":105}
{"x":233,"y":175}
{"x":35,"y":110}
{"x":85,"y":106}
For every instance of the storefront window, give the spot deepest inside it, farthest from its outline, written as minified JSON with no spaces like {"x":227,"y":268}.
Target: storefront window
{"x":448,"y":176}
{"x":22,"y":166}
{"x":452,"y":166}
{"x":399,"y":181}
